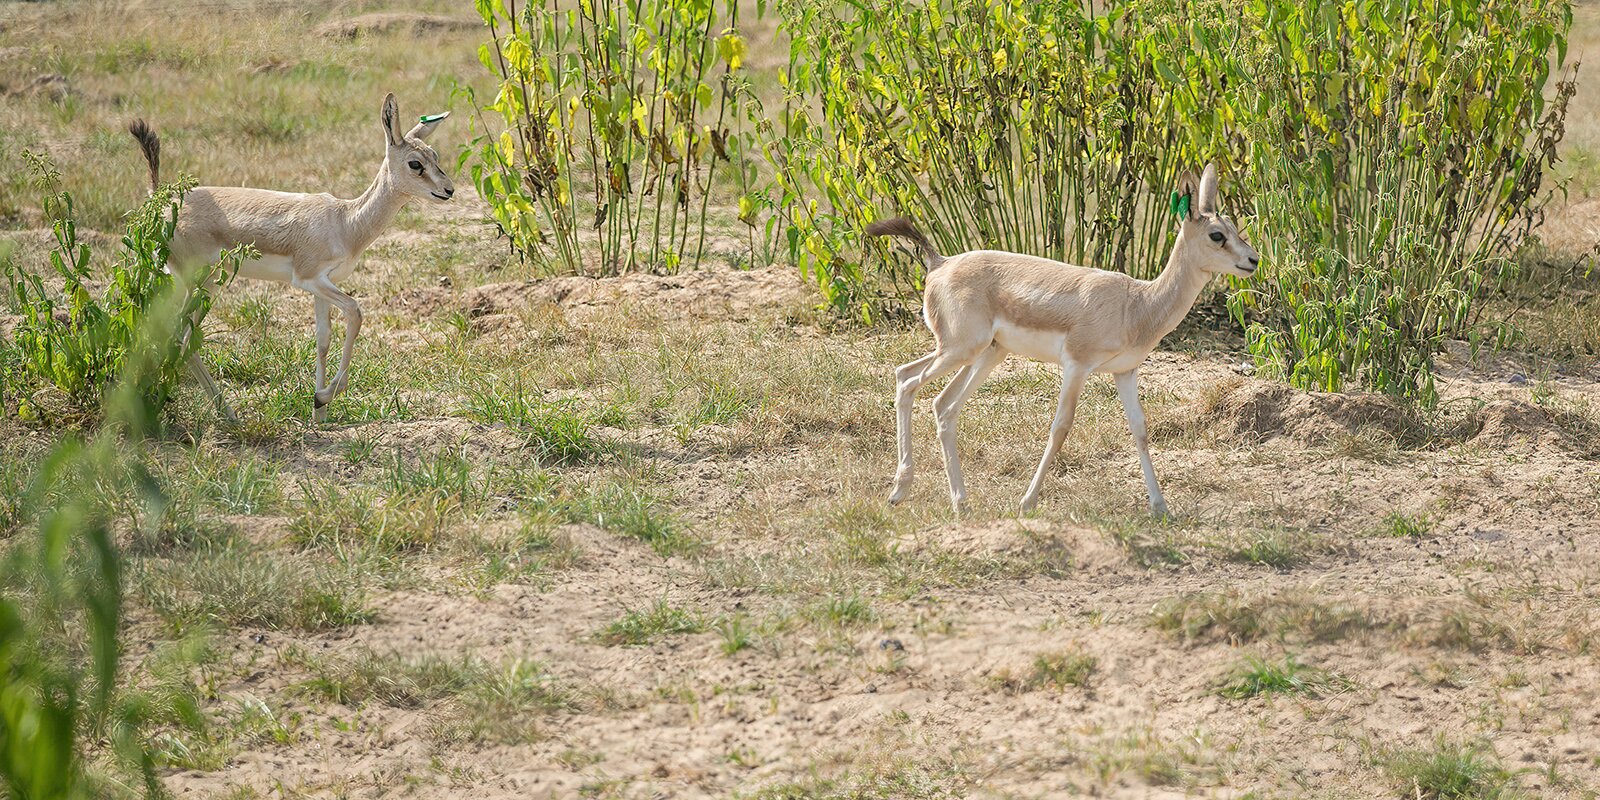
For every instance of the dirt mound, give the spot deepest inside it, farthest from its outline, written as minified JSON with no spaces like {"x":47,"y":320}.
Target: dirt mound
{"x":393,"y":22}
{"x":729,"y":294}
{"x":1265,"y":410}
{"x":1260,"y":410}
{"x":1514,"y":424}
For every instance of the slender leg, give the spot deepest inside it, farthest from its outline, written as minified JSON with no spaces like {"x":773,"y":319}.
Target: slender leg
{"x":909,"y":378}
{"x":1128,"y":390}
{"x":947,"y":409}
{"x":197,"y":370}
{"x":1072,"y":378}
{"x":324,"y":315}
{"x":324,"y":288}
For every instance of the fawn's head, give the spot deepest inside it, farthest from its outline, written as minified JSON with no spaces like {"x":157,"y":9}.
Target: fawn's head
{"x":1208,"y":239}
{"x":413,"y":165}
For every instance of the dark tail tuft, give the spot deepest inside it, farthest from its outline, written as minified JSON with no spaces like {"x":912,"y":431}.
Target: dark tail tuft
{"x":900,"y":226}
{"x":150,"y":143}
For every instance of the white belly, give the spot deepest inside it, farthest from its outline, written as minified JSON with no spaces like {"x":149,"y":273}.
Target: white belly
{"x":268,"y":268}
{"x":1047,"y":346}
{"x":1122,"y":362}
{"x":1051,"y":348}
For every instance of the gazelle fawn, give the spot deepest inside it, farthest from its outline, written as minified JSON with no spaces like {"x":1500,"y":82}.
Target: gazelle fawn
{"x":985,"y":304}
{"x":308,"y":241}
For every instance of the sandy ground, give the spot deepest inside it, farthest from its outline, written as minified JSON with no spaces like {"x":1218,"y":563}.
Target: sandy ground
{"x":1482,"y":629}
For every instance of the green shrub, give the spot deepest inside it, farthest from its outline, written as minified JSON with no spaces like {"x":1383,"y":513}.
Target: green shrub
{"x":81,"y":346}
{"x":1393,"y":176}
{"x":599,"y":152}
{"x":60,"y":616}
{"x":1386,"y":169}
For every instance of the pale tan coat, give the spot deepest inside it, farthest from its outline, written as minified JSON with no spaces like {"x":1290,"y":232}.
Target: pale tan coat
{"x":309,"y":241}
{"x":984,"y":304}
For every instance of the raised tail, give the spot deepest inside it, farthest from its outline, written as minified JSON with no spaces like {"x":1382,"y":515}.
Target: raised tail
{"x":900,"y":226}
{"x":150,"y":143}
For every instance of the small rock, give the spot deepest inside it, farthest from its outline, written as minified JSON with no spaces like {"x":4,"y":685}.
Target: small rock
{"x":1517,"y":379}
{"x":891,"y":644}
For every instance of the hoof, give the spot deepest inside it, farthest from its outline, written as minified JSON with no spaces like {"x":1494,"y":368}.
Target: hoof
{"x":902,"y":487}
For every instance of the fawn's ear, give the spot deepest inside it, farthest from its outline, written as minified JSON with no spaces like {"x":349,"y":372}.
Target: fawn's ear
{"x":1186,"y":197}
{"x":426,"y":124}
{"x":391,"y":121}
{"x":1208,"y":190}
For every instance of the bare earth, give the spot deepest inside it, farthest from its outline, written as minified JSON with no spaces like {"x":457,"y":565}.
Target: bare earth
{"x":1484,"y":625}
{"x":1438,"y":575}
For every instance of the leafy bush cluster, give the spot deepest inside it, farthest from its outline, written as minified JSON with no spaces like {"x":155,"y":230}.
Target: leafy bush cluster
{"x":609,"y":122}
{"x":1387,"y":156}
{"x":136,"y":337}
{"x":116,"y":360}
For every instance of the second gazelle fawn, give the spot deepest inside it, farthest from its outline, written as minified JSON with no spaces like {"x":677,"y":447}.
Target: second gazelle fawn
{"x":985,"y":304}
{"x":308,"y":241}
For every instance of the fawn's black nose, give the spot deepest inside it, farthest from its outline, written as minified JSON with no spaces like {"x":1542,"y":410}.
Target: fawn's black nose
{"x":1255,"y":262}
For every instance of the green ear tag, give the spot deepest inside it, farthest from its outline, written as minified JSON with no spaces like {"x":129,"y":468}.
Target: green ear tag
{"x":427,"y":118}
{"x":1180,"y":205}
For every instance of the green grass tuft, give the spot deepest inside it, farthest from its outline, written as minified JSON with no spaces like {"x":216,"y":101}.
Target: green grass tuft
{"x":629,"y":509}
{"x":1257,"y":676}
{"x":642,"y":627}
{"x":557,"y":430}
{"x":1450,"y":771}
{"x":1058,"y":670}
{"x":238,"y":586}
{"x":1405,"y":526}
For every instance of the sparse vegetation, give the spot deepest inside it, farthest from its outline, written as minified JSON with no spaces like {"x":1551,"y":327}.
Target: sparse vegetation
{"x":629,"y":509}
{"x":623,"y":536}
{"x":243,"y":586}
{"x":500,"y":703}
{"x":1257,"y":676}
{"x":556,"y":430}
{"x":639,"y":627}
{"x":1450,"y":771}
{"x":1405,"y":526}
{"x":1231,"y":617}
{"x":1056,"y":670}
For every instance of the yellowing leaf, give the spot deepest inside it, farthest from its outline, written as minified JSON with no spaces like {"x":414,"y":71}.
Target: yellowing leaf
{"x":732,"y":48}
{"x":520,"y":56}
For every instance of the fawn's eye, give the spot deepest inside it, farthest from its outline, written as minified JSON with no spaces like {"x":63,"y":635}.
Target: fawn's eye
{"x":417,"y":165}
{"x":1218,"y":237}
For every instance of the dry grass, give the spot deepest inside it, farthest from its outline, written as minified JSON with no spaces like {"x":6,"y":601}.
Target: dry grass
{"x":622,"y":548}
